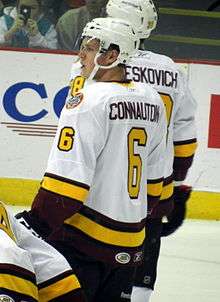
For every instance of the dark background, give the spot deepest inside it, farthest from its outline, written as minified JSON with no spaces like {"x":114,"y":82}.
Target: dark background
{"x":187,"y":29}
{"x":191,"y":32}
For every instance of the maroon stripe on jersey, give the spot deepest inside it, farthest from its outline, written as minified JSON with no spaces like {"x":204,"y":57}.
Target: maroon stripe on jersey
{"x":155,"y":181}
{"x":16,"y":296}
{"x":186,"y":142}
{"x":152,"y":199}
{"x":77,"y":296}
{"x":63,"y":179}
{"x":17,"y":271}
{"x":55,"y":279}
{"x":181,"y":166}
{"x":62,"y":198}
{"x":111,"y":223}
{"x":168,"y":180}
{"x":52,"y":209}
{"x":71,"y":236}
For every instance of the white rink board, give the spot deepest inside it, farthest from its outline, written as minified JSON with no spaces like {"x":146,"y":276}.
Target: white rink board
{"x":25,"y":156}
{"x":204,"y":82}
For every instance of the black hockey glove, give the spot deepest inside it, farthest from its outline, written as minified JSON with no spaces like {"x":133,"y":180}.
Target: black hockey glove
{"x":31,"y":222}
{"x":175,"y":219}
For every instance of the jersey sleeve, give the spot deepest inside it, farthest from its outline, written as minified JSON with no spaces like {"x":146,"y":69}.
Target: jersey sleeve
{"x":71,"y":165}
{"x":156,"y":162}
{"x":184,"y":135}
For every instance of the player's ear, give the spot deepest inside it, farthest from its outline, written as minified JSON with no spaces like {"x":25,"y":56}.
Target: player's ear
{"x":114,"y":55}
{"x":109,"y":57}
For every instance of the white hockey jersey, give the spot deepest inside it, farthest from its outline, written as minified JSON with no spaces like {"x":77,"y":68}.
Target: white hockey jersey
{"x":31,"y":269}
{"x":170,"y":81}
{"x":107,"y":155}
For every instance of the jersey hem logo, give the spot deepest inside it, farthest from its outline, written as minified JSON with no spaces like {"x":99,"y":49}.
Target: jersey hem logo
{"x":5,"y":298}
{"x":123,"y":258}
{"x":138,"y":257}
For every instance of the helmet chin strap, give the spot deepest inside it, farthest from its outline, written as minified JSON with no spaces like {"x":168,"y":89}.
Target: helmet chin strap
{"x":97,"y":66}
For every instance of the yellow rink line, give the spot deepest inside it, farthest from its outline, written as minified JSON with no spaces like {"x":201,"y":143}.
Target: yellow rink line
{"x":20,"y":192}
{"x":204,"y":205}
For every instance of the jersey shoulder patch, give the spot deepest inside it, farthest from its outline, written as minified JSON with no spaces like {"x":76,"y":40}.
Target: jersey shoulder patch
{"x":74,"y":101}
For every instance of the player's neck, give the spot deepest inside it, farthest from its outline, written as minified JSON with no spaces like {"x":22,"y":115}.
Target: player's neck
{"x":115,"y":74}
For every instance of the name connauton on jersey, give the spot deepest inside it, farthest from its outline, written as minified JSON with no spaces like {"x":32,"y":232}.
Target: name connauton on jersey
{"x":134,"y":110}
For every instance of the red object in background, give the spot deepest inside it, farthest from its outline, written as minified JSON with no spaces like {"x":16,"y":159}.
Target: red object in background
{"x":214,"y":122}
{"x":75,"y":3}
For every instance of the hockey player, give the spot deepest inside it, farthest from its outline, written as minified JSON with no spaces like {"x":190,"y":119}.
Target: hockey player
{"x":106,"y":162}
{"x":165,"y":76}
{"x":30,"y":269}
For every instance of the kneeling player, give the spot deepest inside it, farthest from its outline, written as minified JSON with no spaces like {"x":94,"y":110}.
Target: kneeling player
{"x":30,"y":269}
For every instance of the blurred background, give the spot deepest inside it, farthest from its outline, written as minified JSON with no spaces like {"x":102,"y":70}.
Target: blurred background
{"x":186,"y":29}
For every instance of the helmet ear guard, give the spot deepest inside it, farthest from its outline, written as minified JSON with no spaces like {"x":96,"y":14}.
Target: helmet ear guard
{"x":143,"y":12}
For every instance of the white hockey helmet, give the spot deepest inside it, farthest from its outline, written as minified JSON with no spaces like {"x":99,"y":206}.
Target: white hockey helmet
{"x":113,"y":31}
{"x":142,"y":13}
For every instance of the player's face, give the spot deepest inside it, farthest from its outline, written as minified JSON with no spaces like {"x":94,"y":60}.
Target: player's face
{"x":88,"y":50}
